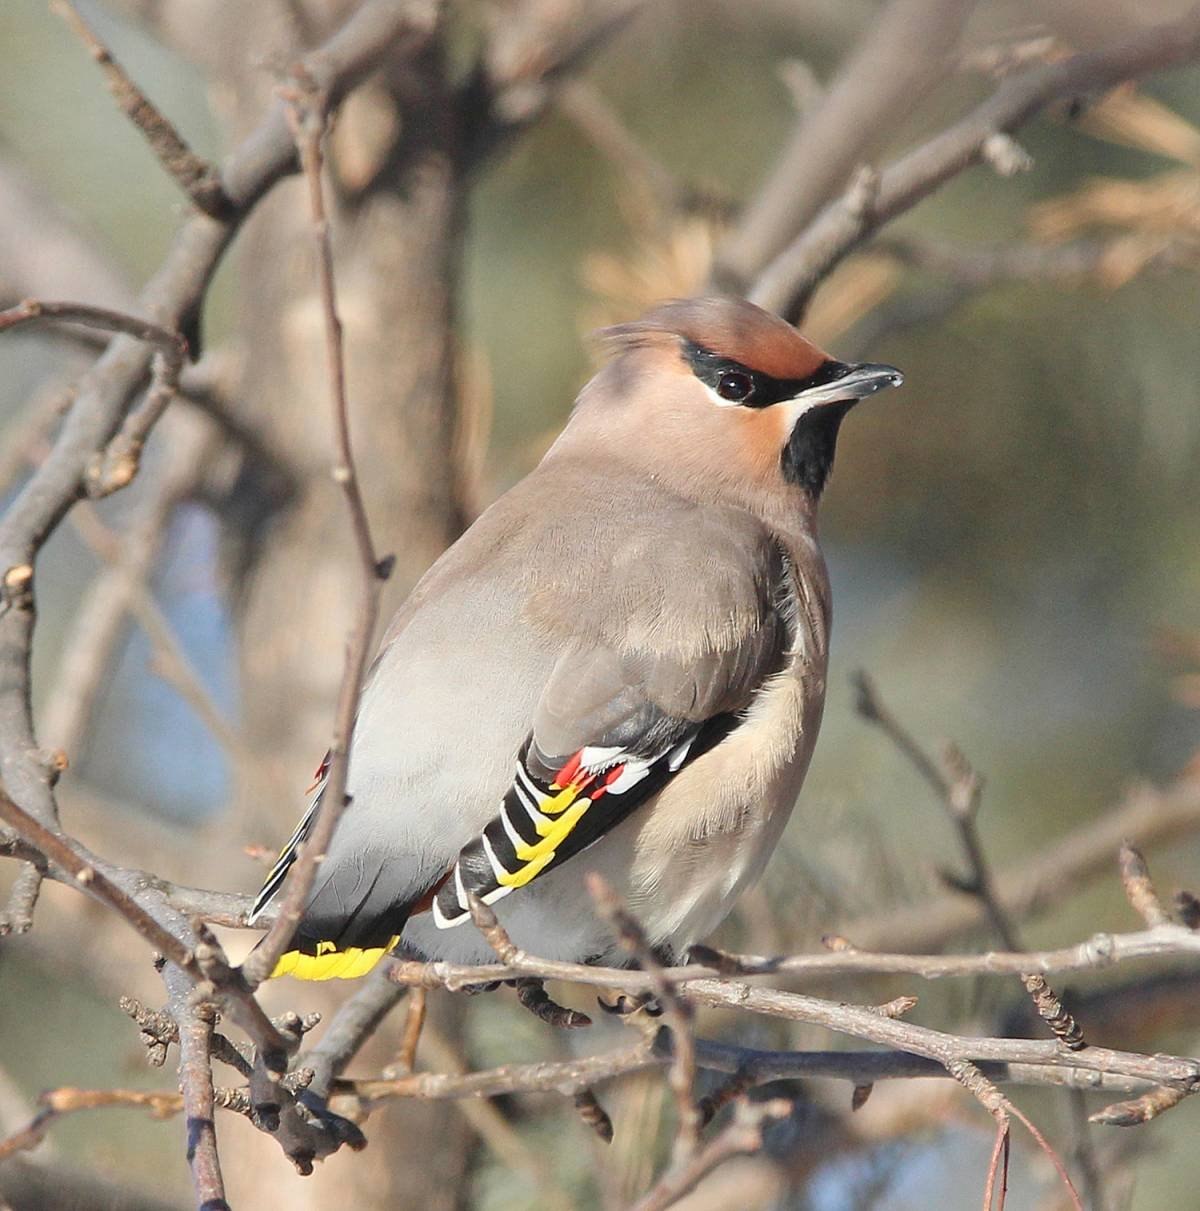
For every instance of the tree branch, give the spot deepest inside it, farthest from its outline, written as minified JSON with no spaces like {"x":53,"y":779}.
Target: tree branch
{"x":307,"y":116}
{"x":788,"y":281}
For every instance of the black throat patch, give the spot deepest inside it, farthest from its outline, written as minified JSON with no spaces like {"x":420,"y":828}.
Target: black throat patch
{"x":807,"y":458}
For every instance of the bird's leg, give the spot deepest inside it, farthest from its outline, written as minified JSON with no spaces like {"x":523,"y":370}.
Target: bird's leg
{"x":532,"y":994}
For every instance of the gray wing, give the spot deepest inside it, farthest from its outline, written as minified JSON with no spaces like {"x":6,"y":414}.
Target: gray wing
{"x":618,"y":719}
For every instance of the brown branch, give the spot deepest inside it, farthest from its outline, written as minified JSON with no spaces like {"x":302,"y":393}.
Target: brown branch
{"x":17,"y":914}
{"x":195,"y":176}
{"x":414,"y":1022}
{"x":744,"y":1134}
{"x":960,"y":790}
{"x":903,"y":55}
{"x":1034,"y":883}
{"x":87,"y":874}
{"x":115,"y":467}
{"x":95,"y":883}
{"x":29,"y":311}
{"x":787,"y":282}
{"x":682,"y":1076}
{"x":748,"y":1067}
{"x":1139,"y":889}
{"x":861,"y":1022}
{"x":1141,"y":1109}
{"x":68,"y":1100}
{"x":1098,"y":952}
{"x":1050,"y":1009}
{"x":195,"y":1025}
{"x":306,"y":113}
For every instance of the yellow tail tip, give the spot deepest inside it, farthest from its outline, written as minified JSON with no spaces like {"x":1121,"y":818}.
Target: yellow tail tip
{"x":330,"y":963}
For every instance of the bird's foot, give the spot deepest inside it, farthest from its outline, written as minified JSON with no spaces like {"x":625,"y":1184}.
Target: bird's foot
{"x":532,"y":994}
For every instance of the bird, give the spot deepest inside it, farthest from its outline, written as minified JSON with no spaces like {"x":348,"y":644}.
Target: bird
{"x":618,"y":668}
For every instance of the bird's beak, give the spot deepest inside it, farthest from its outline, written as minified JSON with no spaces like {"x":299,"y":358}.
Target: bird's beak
{"x":852,"y":383}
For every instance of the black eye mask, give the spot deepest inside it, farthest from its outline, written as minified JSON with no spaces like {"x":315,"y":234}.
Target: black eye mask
{"x":752,"y":388}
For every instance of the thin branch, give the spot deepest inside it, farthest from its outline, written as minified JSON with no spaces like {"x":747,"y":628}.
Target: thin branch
{"x":195,"y":1024}
{"x":195,"y":176}
{"x":115,"y":467}
{"x":860,"y":1022}
{"x":682,"y":1076}
{"x":170,"y":344}
{"x":1101,"y":951}
{"x":1141,"y":1109}
{"x":959,"y":788}
{"x":306,"y":113}
{"x":68,"y":1100}
{"x":1139,"y":889}
{"x":788,"y":281}
{"x":87,"y":875}
{"x":904,"y":54}
{"x":1034,"y":883}
{"x":414,"y":1023}
{"x":17,"y":914}
{"x":744,"y":1134}
{"x":747,"y":1066}
{"x":58,"y":850}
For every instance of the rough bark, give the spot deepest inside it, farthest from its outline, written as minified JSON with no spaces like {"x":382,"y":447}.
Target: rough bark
{"x":395,"y":242}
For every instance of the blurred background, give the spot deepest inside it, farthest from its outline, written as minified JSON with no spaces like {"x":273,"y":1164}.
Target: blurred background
{"x":1012,"y":538}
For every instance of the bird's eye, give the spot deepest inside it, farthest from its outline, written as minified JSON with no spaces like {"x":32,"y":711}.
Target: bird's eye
{"x":735,"y":386}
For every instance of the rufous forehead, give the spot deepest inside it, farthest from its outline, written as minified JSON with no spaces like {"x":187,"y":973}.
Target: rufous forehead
{"x":736,"y":329}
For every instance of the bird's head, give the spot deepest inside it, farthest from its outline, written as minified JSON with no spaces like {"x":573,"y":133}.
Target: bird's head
{"x":736,"y":393}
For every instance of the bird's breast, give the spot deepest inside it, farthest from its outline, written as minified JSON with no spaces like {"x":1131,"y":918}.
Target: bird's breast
{"x":713,"y":828}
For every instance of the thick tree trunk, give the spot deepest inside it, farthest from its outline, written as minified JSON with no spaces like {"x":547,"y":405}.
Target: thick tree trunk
{"x":395,"y":240}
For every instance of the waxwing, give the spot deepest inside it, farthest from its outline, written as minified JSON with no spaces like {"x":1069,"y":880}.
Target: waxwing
{"x":620,"y":667}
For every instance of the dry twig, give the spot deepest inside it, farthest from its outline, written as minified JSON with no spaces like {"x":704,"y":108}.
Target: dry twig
{"x":195,"y":176}
{"x":307,"y":106}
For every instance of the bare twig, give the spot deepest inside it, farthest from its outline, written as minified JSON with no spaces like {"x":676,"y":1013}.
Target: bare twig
{"x":788,"y":281}
{"x":1034,"y":883}
{"x":116,"y":466}
{"x":97,"y":884}
{"x":195,"y":1023}
{"x":414,"y":1023}
{"x":90,"y":878}
{"x":68,"y":1100}
{"x":170,"y":344}
{"x":593,"y":1115}
{"x":743,"y":1134}
{"x":960,"y":788}
{"x":1139,"y":890}
{"x":17,"y":915}
{"x":682,"y":1078}
{"x":306,"y":113}
{"x":1050,"y":1010}
{"x":195,"y":176}
{"x":1098,"y":952}
{"x":904,"y":54}
{"x":1141,"y":1109}
{"x":749,"y":1068}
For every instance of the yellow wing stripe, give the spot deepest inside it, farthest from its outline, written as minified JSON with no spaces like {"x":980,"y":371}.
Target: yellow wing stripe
{"x":329,"y":963}
{"x":537,"y":856}
{"x":558,"y":803}
{"x":528,"y":872}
